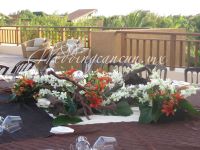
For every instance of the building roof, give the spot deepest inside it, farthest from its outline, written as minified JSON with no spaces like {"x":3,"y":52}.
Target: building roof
{"x":80,"y":13}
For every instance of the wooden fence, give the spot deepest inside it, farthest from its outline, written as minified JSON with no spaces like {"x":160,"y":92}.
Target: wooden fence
{"x":180,"y":49}
{"x":20,"y":34}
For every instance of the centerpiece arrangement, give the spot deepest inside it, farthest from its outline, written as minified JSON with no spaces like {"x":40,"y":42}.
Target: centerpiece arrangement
{"x":111,"y":93}
{"x":160,"y":100}
{"x":25,"y":89}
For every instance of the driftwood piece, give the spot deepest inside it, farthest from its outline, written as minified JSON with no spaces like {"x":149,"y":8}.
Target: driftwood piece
{"x":130,"y":78}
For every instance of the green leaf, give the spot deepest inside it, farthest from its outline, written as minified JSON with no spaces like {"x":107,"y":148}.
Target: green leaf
{"x":70,"y":89}
{"x":123,"y":109}
{"x":156,"y":110}
{"x":185,"y":105}
{"x":65,"y":120}
{"x":145,"y":113}
{"x":71,"y":106}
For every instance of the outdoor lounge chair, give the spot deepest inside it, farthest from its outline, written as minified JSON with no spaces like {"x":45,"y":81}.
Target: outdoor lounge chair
{"x":67,"y":53}
{"x":35,"y":48}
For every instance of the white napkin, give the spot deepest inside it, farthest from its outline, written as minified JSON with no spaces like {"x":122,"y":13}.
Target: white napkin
{"x":43,"y":102}
{"x":61,"y":130}
{"x":180,"y":83}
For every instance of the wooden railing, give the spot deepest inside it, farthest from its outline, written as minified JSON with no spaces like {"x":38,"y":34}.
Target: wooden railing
{"x":20,"y":34}
{"x":177,"y":49}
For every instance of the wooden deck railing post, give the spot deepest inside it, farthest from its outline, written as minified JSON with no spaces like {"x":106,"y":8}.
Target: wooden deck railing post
{"x":17,"y":35}
{"x":123,"y":44}
{"x":1,"y":37}
{"x":63,"y":34}
{"x":196,"y":53}
{"x":89,"y":37}
{"x":172,"y":51}
{"x":39,"y":32}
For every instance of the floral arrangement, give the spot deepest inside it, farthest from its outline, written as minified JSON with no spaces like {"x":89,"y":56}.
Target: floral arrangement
{"x":24,"y":89}
{"x":158,"y":99}
{"x":162,"y":101}
{"x":95,"y":83}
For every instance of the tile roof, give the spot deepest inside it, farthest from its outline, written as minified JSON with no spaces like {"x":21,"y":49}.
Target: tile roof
{"x":79,"y":13}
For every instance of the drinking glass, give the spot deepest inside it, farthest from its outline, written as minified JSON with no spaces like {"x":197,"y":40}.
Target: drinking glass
{"x":12,"y":124}
{"x":82,"y":143}
{"x":105,"y":143}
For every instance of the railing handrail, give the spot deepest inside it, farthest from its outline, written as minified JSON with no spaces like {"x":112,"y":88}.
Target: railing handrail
{"x":91,"y":27}
{"x":169,"y":42}
{"x":159,"y":33}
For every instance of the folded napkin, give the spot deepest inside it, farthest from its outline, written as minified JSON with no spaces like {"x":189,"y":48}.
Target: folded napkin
{"x":43,"y":102}
{"x":61,"y":130}
{"x":180,"y":83}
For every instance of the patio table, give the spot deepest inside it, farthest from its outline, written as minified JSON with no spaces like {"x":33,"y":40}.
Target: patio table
{"x":130,"y":136}
{"x":182,"y":135}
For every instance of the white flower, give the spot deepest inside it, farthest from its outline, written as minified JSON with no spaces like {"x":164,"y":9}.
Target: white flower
{"x":133,"y":67}
{"x":189,"y":91}
{"x":55,"y":93}
{"x":78,"y":75}
{"x":117,"y":78}
{"x":44,"y":92}
{"x":155,"y":74}
{"x":82,"y":82}
{"x":29,"y":74}
{"x":123,"y":92}
{"x":82,"y":92}
{"x":62,"y":96}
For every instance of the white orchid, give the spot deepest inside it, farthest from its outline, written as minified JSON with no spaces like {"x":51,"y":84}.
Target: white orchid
{"x":133,"y":67}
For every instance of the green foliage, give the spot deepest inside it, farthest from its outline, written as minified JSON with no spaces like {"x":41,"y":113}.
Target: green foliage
{"x":148,"y":19}
{"x":188,"y":107}
{"x":145,"y":113}
{"x":114,"y":21}
{"x":2,"y":22}
{"x":137,"y":18}
{"x":52,"y":20}
{"x":122,"y":109}
{"x":3,"y":19}
{"x":140,"y":19}
{"x":70,"y":106}
{"x":150,"y":114}
{"x":65,"y":120}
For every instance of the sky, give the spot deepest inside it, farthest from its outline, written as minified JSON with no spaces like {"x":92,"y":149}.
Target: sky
{"x":104,"y":7}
